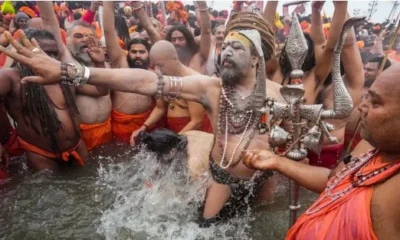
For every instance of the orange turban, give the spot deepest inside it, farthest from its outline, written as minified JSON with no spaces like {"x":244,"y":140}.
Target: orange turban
{"x":56,"y":8}
{"x":28,"y":11}
{"x":304,"y":25}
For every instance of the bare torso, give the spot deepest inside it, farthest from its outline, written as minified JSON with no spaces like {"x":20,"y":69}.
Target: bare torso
{"x":93,"y":109}
{"x":67,"y":137}
{"x":130,"y":103}
{"x":260,"y":141}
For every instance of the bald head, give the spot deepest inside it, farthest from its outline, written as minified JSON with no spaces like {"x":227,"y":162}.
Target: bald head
{"x":164,"y":57}
{"x":163,"y":49}
{"x":387,"y":82}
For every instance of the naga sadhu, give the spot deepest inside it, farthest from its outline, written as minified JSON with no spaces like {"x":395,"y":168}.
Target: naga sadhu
{"x":231,"y":103}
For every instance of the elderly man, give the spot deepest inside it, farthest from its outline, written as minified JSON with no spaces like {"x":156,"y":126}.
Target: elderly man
{"x":359,"y":199}
{"x":232,"y":103}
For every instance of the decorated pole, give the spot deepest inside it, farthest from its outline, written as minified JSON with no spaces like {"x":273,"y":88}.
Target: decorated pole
{"x":308,"y":126}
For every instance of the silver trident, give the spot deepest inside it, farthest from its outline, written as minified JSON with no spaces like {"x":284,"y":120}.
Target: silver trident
{"x":308,"y":128}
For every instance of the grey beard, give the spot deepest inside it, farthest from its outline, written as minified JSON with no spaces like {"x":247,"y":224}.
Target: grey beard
{"x":231,"y":76}
{"x":83,"y":58}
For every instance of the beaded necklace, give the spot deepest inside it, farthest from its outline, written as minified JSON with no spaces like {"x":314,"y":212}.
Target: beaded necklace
{"x":353,"y":168}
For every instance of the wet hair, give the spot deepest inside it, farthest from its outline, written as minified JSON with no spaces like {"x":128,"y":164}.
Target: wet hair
{"x":80,"y":23}
{"x":122,"y":28}
{"x":36,"y":103}
{"x":379,"y":60}
{"x":309,"y":61}
{"x":186,"y":33}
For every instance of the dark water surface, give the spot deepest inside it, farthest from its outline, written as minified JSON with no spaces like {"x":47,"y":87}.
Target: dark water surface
{"x":112,"y":197}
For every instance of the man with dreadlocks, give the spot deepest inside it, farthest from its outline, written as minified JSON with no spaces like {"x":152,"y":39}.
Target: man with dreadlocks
{"x":93,"y":103}
{"x":232,"y":103}
{"x":45,"y":116}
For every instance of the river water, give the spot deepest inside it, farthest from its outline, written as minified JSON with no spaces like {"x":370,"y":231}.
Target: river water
{"x":119,"y":195}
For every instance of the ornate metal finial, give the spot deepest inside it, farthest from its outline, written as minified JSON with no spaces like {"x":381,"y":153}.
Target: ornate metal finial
{"x":296,"y":48}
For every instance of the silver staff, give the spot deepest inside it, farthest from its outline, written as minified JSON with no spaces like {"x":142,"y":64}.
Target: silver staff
{"x":302,"y":137}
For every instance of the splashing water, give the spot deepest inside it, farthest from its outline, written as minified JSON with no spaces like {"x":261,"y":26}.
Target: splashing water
{"x":166,"y":208}
{"x":121,"y":196}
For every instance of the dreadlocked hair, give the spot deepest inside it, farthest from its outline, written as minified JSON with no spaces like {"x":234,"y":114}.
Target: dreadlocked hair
{"x":37,"y":105}
{"x":248,"y":20}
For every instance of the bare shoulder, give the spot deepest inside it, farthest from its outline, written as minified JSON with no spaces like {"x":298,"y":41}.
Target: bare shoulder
{"x":385,"y":212}
{"x":273,"y":90}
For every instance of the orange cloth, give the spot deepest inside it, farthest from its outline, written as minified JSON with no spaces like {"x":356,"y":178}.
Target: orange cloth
{"x":123,"y":125}
{"x":348,"y":217}
{"x":12,"y":145}
{"x":347,"y":138}
{"x":121,"y":43}
{"x":176,"y":124}
{"x":328,"y":156}
{"x":64,"y":155}
{"x":28,"y":11}
{"x":96,"y":134}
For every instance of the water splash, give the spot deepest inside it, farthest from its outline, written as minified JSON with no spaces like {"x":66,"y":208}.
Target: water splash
{"x":156,"y":201}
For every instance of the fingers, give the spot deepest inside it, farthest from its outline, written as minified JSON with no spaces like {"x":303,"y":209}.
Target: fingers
{"x":14,"y":55}
{"x":132,"y":140}
{"x":20,"y":48}
{"x":25,"y":41}
{"x":32,"y":79}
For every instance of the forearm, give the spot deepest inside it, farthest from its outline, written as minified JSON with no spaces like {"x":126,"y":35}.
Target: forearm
{"x":156,"y":115}
{"x":125,"y":80}
{"x":310,"y":177}
{"x":205,"y":28}
{"x":114,"y":51}
{"x":270,"y":11}
{"x":317,"y":29}
{"x":141,"y":14}
{"x":192,"y":125}
{"x":338,"y":19}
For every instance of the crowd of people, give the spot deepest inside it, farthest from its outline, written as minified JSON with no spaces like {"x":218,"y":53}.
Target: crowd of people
{"x":76,"y":76}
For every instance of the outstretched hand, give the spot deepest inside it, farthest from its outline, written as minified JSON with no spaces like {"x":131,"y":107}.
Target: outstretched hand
{"x":261,"y":159}
{"x":29,"y":53}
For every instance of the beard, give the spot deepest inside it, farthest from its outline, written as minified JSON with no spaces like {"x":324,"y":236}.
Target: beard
{"x":78,"y":54}
{"x":231,"y":75}
{"x":138,"y":63}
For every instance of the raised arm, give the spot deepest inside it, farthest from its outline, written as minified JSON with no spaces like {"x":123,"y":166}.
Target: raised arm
{"x":353,"y":67}
{"x":317,"y":29}
{"x":115,"y":53}
{"x":205,"y":28}
{"x":50,"y":23}
{"x":144,"y":19}
{"x":325,"y":63}
{"x":270,"y":11}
